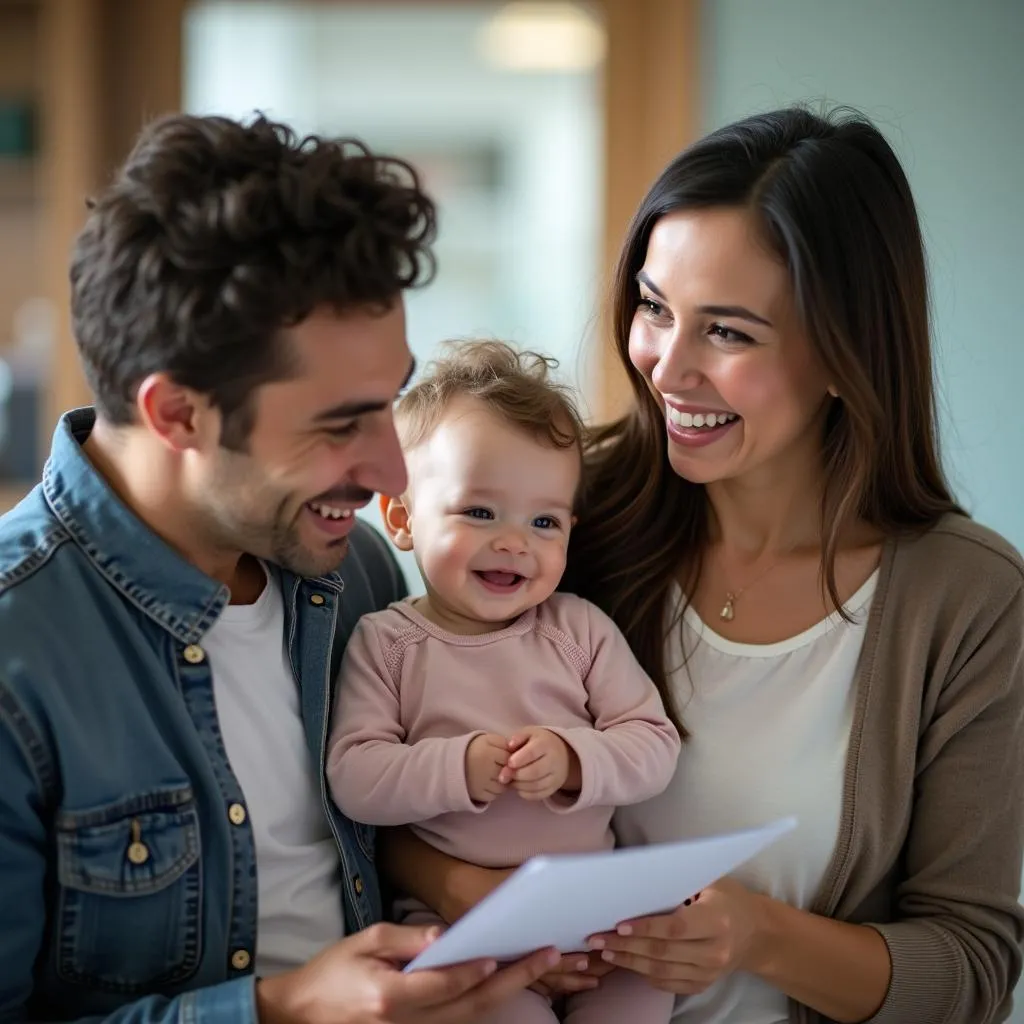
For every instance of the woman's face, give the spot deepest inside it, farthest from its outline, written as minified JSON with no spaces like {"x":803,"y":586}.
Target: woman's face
{"x":717,"y":338}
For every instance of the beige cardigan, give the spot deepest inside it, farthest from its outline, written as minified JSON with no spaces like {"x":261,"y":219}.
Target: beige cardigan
{"x":932,"y":828}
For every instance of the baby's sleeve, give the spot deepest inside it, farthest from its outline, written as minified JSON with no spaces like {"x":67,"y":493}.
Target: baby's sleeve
{"x":374,"y":775}
{"x":629,"y":754}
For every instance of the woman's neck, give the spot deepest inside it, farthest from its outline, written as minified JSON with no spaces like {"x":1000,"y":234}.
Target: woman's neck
{"x":765,"y":521}
{"x":755,"y":523}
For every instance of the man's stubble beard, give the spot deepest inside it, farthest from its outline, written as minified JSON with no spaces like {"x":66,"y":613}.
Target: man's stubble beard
{"x":274,"y":537}
{"x":288,"y":552}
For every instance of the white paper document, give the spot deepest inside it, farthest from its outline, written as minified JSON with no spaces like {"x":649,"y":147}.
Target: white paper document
{"x":561,"y":900}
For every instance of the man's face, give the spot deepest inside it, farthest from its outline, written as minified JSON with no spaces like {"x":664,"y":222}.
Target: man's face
{"x":322,"y":443}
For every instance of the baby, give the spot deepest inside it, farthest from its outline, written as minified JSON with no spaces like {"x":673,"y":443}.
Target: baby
{"x":496,"y":717}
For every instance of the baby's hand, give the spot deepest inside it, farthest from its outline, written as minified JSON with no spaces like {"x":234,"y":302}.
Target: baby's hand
{"x":541,"y":763}
{"x":486,"y":757}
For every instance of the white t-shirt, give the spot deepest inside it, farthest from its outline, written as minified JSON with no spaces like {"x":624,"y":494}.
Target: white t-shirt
{"x":770,"y":726}
{"x":297,"y":862}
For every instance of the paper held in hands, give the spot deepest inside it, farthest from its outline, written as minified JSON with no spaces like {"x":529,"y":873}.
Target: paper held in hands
{"x":560,"y":900}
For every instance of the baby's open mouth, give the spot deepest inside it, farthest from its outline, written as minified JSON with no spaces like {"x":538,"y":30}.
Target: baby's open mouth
{"x":498,"y":578}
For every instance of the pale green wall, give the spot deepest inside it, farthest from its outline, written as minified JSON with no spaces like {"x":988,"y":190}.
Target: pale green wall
{"x":945,"y":81}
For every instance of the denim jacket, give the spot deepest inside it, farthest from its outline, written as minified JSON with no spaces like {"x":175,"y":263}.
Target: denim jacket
{"x":127,"y":866}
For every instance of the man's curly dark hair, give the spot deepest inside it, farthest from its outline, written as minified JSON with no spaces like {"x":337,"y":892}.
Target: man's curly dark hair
{"x":215,"y":235}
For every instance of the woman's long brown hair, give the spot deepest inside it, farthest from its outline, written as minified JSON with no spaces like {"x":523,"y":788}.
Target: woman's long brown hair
{"x":834,"y":204}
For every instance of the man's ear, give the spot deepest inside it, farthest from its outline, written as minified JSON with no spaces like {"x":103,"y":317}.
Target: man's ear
{"x":395,"y":514}
{"x":178,"y":416}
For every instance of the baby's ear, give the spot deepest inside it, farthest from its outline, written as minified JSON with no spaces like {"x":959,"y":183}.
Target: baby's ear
{"x":395,"y":514}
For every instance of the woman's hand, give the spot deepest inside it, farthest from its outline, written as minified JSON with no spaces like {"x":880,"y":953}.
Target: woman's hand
{"x":688,"y":950}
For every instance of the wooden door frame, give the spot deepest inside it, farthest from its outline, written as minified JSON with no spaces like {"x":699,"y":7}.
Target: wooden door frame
{"x":111,"y":65}
{"x":651,"y":111}
{"x":114,"y":63}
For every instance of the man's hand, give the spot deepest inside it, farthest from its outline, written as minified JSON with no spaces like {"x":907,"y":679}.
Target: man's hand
{"x":358,"y":981}
{"x":541,"y":763}
{"x":486,"y":757}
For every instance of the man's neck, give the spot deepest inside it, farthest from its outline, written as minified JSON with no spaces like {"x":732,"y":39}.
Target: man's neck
{"x":147,"y":478}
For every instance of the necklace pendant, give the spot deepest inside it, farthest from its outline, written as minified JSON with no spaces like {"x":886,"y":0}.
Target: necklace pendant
{"x":728,"y":612}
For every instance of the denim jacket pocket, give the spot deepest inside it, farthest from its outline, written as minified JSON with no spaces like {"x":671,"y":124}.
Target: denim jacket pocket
{"x":119,"y":866}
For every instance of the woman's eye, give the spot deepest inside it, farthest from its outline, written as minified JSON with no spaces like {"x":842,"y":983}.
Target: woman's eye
{"x":728,"y":334}
{"x":478,"y":513}
{"x":650,"y":307}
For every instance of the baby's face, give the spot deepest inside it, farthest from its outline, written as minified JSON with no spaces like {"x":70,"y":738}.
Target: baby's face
{"x":490,"y":514}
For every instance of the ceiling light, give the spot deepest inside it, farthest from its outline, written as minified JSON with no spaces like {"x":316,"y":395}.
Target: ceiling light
{"x":542,"y":37}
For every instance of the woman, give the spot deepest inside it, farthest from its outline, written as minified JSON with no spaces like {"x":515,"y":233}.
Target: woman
{"x":771,"y":529}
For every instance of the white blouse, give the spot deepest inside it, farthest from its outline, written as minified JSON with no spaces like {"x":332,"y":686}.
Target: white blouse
{"x":770,"y":726}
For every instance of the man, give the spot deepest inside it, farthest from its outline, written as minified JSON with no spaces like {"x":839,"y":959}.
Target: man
{"x":172,"y":611}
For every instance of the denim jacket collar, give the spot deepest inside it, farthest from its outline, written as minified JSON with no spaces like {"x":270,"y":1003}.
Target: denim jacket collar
{"x":167,"y":587}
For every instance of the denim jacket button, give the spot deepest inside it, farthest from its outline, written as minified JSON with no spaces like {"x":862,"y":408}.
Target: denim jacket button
{"x":194,"y":654}
{"x":317,"y":599}
{"x":236,"y":814}
{"x":240,"y":959}
{"x":358,"y":885}
{"x":138,"y":853}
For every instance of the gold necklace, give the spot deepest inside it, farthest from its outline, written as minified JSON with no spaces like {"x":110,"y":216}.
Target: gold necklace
{"x":728,"y":612}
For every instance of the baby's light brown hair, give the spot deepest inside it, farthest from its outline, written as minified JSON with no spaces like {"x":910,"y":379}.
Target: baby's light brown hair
{"x":516,"y":385}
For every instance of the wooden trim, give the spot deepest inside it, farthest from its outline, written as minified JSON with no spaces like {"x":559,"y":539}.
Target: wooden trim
{"x":652,"y":110}
{"x":142,"y":69}
{"x":71,"y":154}
{"x":110,"y":66}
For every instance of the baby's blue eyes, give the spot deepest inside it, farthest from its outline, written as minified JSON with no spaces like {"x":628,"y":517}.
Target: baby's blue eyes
{"x":538,"y":522}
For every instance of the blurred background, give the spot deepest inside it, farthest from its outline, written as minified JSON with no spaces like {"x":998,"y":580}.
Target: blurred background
{"x":538,"y":126}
